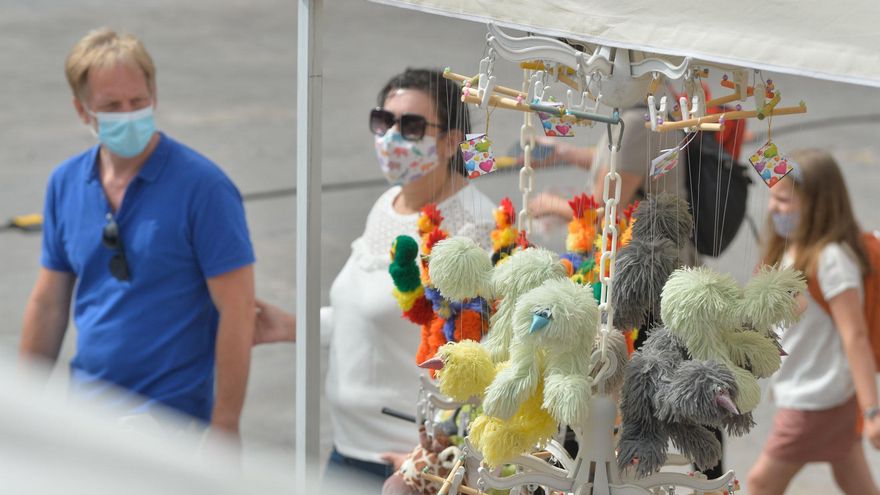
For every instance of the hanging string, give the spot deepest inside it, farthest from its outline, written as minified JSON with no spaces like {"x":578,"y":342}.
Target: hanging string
{"x":489,"y":111}
{"x":718,"y":233}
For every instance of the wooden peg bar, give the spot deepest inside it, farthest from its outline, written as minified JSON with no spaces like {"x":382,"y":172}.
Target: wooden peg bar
{"x":563,"y":77}
{"x":462,"y":488}
{"x":723,"y":100}
{"x":444,"y":488}
{"x":572,"y":116}
{"x":735,"y":115}
{"x":571,"y":83}
{"x":496,"y":101}
{"x":499,"y":89}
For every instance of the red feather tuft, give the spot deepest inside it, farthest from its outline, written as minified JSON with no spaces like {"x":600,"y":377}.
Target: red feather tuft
{"x":421,"y":312}
{"x":522,"y":241}
{"x":628,"y":212}
{"x":507,"y":207}
{"x":430,"y":210}
{"x":581,"y":204}
{"x":434,"y":237}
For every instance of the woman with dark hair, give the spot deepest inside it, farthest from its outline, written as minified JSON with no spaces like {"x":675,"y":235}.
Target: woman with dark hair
{"x":828,"y":378}
{"x":417,"y":127}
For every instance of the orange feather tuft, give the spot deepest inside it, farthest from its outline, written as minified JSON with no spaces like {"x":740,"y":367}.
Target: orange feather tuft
{"x":470,"y":325}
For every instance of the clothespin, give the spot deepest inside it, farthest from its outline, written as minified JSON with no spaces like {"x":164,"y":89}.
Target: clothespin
{"x":486,"y":83}
{"x":695,"y":90}
{"x":656,"y":115}
{"x":685,"y":112}
{"x":759,"y":95}
{"x":583,"y":104}
{"x":740,"y":84}
{"x":767,"y":108}
{"x":536,"y":87}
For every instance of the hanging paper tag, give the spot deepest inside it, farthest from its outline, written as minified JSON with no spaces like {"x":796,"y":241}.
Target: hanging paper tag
{"x":667,"y":161}
{"x":770,"y":164}
{"x":479,"y":158}
{"x":553,"y":125}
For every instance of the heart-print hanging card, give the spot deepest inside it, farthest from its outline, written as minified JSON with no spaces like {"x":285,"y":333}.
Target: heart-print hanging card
{"x":770,"y":164}
{"x":553,"y":125}
{"x":479,"y":158}
{"x":667,"y":161}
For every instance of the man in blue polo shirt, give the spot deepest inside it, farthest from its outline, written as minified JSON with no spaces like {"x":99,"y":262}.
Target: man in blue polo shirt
{"x":149,"y":240}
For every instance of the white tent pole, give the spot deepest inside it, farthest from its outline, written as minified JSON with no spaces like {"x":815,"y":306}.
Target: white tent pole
{"x":309,"y":81}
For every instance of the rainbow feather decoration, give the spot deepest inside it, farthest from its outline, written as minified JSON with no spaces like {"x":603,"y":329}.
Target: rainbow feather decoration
{"x":408,"y":288}
{"x":504,"y":236}
{"x":441,"y":320}
{"x":584,"y":240}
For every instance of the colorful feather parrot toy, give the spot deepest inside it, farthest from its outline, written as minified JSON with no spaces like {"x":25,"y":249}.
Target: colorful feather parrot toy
{"x":441,"y":320}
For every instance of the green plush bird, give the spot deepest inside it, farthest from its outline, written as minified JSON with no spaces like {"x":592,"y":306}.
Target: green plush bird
{"x":404,"y":270}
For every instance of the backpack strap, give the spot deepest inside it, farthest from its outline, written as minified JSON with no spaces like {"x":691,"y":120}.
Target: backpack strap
{"x":871,"y":244}
{"x":816,"y":293}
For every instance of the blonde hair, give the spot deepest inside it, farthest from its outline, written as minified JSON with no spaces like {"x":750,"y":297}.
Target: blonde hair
{"x":826,"y":214}
{"x":104,"y":48}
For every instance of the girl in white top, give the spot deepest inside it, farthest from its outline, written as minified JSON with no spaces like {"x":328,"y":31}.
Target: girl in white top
{"x":418,"y":126}
{"x":829,"y":374}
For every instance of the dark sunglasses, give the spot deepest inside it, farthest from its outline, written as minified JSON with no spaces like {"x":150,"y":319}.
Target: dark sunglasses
{"x":412,"y":126}
{"x":111,"y":240}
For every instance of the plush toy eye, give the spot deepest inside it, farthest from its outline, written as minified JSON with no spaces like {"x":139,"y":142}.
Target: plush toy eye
{"x":543,"y":313}
{"x":540,"y":319}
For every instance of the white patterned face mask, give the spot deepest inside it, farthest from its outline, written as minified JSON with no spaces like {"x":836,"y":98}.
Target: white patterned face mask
{"x":403,"y":161}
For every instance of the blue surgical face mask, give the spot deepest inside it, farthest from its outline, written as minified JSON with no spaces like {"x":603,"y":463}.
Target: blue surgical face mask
{"x":126,"y":133}
{"x":785,"y":223}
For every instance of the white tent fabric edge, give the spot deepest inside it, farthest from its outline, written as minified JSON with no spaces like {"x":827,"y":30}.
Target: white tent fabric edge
{"x":793,"y":40}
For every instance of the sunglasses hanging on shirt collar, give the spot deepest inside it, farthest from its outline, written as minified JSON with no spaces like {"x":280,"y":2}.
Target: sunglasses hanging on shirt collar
{"x":111,"y":239}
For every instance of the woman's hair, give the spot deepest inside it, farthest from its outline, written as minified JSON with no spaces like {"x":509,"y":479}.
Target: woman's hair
{"x":826,"y":214}
{"x":446,"y":95}
{"x":105,"y":48}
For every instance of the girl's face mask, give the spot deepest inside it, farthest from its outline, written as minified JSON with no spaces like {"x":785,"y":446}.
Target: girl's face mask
{"x":785,"y":223}
{"x":404,"y":161}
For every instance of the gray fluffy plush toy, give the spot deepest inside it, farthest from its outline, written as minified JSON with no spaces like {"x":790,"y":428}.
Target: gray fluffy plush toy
{"x":661,"y":229}
{"x":701,"y":368}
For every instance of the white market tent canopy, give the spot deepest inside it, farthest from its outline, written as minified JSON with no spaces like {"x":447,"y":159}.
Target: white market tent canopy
{"x":836,"y":41}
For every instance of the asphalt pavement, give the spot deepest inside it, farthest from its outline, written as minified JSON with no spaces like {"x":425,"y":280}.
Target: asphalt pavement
{"x":227,"y":87}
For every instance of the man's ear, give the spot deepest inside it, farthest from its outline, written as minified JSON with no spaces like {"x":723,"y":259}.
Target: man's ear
{"x":81,"y":111}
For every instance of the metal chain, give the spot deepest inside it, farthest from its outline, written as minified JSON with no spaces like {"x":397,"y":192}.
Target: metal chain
{"x":527,"y":174}
{"x":609,"y":253}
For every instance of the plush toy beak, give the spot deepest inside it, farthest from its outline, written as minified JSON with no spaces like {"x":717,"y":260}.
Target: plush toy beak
{"x":782,"y":352}
{"x":435,"y":363}
{"x":538,"y":323}
{"x":723,"y":400}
